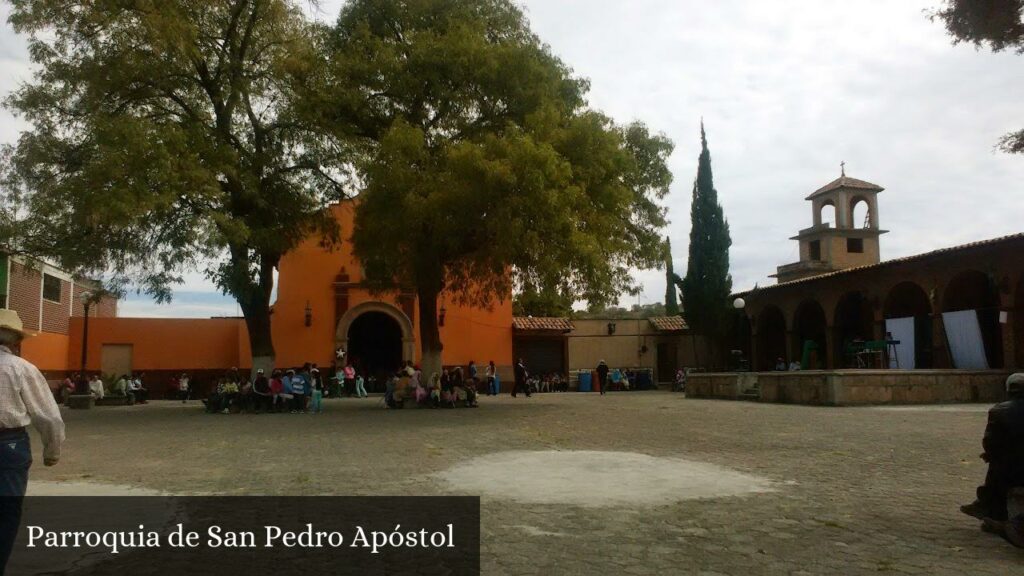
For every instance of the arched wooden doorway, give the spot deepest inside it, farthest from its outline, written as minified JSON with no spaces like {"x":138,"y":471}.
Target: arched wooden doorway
{"x":974,"y":290}
{"x":907,"y":300}
{"x":853,"y":322}
{"x":771,"y":338}
{"x":377,"y":338}
{"x":810,"y":326}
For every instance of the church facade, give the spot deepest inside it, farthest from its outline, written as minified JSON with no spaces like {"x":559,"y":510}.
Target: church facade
{"x":322,"y":306}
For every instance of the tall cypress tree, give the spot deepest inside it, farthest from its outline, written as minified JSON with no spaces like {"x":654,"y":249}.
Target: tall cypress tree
{"x":708,"y":283}
{"x":671,"y":281}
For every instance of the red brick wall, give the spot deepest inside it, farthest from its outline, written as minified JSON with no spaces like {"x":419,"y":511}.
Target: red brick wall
{"x":24,"y":298}
{"x":55,"y":314}
{"x":106,"y":308}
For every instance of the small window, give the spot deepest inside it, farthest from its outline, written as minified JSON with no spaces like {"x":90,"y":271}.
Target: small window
{"x":51,"y":288}
{"x":855,"y":245}
{"x":816,"y":250}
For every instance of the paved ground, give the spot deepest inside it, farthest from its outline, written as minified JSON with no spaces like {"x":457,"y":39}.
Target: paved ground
{"x":858,"y":490}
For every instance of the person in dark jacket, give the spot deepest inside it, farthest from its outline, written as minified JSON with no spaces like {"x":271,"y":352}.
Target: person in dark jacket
{"x":1004,"y":452}
{"x":602,"y":376}
{"x":521,"y":376}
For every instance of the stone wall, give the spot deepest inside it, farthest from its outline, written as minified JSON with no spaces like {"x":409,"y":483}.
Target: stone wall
{"x":852,"y":387}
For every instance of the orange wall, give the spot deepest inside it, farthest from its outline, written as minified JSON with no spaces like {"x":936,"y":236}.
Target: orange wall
{"x":47,"y":351}
{"x":163,"y":343}
{"x":307,"y":275}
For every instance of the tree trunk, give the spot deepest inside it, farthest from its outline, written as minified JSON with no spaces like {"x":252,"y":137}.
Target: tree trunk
{"x":257,"y":320}
{"x":430,"y":336}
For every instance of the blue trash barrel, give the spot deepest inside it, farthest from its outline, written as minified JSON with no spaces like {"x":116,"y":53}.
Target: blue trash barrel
{"x":643,"y":381}
{"x":586,"y":385}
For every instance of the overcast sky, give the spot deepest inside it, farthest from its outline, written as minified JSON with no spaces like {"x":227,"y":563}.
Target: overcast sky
{"x":788,"y":89}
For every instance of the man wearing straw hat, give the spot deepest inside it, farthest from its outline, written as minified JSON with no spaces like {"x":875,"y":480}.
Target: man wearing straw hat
{"x":25,"y":398}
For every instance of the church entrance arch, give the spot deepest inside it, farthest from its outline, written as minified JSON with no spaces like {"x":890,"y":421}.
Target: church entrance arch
{"x":810,"y":335}
{"x":377,"y":338}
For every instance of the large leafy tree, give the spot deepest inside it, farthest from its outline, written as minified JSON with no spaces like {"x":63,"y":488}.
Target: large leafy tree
{"x":995,"y":24}
{"x":708,"y":283}
{"x":165,"y":137}
{"x":547,"y":302}
{"x":487,"y":168}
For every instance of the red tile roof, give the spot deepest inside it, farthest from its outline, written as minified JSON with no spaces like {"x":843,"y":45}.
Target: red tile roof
{"x":669,"y":323}
{"x":542,"y":324}
{"x":896,"y":261}
{"x":845,"y":182}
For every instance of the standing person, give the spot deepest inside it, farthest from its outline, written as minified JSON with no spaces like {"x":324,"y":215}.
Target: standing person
{"x":317,"y":391}
{"x":350,"y":381}
{"x":473,"y":374}
{"x":25,"y":398}
{"x":1004,"y":452}
{"x":360,"y":388}
{"x":521,"y":376}
{"x":183,"y":388}
{"x":602,"y":376}
{"x":491,"y":374}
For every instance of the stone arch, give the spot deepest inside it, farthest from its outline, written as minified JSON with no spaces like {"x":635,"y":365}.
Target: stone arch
{"x":828,"y":213}
{"x":975,"y":290}
{"x":341,"y":335}
{"x":862,"y":211}
{"x":853,"y":321}
{"x":811,"y":325}
{"x":771,"y":337}
{"x":909,"y":300}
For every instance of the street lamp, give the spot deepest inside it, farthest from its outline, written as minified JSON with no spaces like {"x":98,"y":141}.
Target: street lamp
{"x":88,"y":299}
{"x":739,"y":303}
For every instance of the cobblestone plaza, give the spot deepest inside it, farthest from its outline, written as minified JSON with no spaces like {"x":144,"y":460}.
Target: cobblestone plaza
{"x":852,"y":490}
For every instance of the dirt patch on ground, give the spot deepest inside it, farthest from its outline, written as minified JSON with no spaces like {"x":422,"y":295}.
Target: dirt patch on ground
{"x":597,"y":479}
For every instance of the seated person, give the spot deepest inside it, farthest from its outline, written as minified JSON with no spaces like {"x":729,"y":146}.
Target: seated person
{"x":120,"y":387}
{"x":780,"y":365}
{"x":140,"y":394}
{"x":795,"y":366}
{"x":1004,"y":452}
{"x":616,"y":379}
{"x":96,"y":387}
{"x":390,"y":388}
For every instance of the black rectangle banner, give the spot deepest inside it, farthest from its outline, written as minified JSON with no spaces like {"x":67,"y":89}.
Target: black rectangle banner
{"x":148,"y":535}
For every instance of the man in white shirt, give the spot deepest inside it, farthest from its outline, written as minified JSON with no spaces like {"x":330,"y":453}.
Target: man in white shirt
{"x":25,"y":398}
{"x":96,"y":387}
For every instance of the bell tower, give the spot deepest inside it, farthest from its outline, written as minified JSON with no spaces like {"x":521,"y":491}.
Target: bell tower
{"x":825,"y":247}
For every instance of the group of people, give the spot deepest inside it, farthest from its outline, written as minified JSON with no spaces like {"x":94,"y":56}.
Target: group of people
{"x":781,"y":366}
{"x":126,"y":386}
{"x":299,"y":390}
{"x":448,"y":389}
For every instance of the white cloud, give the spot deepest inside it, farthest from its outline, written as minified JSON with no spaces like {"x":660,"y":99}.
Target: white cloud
{"x":788,"y":89}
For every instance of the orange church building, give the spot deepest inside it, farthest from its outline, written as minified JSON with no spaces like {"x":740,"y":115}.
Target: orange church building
{"x":321,"y":306}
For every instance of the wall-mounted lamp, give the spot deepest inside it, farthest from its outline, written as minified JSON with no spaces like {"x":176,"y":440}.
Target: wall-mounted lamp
{"x":309,"y":315}
{"x":611,"y":328}
{"x":441,"y":314}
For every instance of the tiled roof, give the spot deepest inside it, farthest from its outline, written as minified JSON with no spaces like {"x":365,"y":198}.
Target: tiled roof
{"x":542,"y":324}
{"x":669,"y":323}
{"x":896,"y":261}
{"x":845,"y":182}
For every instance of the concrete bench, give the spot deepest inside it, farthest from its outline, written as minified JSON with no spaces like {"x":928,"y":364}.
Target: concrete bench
{"x":81,"y":401}
{"x":115,"y":401}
